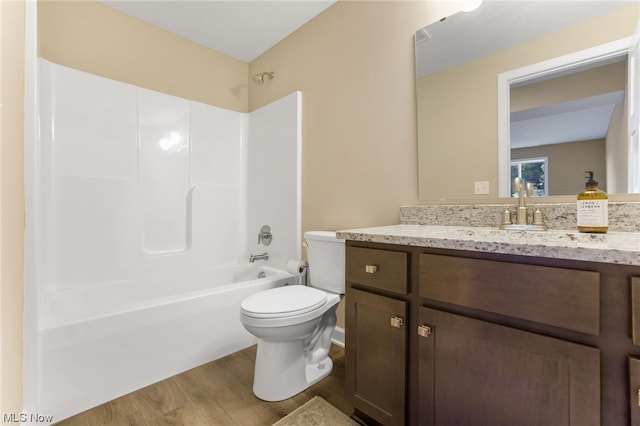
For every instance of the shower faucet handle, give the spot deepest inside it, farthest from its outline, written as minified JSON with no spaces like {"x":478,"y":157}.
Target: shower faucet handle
{"x":265,"y":236}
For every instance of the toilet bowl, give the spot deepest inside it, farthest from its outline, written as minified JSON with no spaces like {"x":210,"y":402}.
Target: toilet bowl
{"x":294,"y":324}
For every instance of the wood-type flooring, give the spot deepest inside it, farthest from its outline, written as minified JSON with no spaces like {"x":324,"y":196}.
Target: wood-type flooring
{"x":216,"y":393}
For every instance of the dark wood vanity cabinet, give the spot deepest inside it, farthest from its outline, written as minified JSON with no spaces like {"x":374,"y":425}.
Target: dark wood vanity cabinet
{"x":488,"y":339}
{"x":377,"y":334}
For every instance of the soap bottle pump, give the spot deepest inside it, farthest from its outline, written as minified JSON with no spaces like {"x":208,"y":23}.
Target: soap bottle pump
{"x":593,"y":207}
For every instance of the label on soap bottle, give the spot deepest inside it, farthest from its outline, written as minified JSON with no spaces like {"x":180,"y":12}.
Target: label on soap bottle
{"x":593,"y":213}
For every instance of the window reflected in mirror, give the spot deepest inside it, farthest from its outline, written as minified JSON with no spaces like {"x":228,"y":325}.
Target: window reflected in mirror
{"x":533,"y":171}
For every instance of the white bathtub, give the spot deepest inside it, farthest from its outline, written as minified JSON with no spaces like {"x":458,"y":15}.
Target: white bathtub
{"x":103,"y":342}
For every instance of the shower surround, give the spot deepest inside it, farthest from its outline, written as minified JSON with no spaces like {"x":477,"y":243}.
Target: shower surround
{"x":142,"y":211}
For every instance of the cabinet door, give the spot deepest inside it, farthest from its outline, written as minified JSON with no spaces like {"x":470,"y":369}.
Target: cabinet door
{"x":477,"y":373}
{"x":634,"y":390}
{"x":375,"y":356}
{"x":635,"y":310}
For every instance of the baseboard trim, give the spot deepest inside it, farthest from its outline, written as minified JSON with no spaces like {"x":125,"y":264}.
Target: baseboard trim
{"x":338,"y":337}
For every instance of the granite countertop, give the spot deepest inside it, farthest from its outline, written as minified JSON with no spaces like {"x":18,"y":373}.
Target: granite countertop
{"x":612,"y":247}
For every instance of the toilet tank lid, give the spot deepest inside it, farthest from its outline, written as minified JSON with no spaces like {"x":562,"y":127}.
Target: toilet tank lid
{"x":322,"y":236}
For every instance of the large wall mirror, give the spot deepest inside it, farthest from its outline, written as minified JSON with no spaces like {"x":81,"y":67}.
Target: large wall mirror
{"x":540,"y":89}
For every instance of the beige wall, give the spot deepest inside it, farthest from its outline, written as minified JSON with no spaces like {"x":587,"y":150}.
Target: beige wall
{"x":460,"y":128}
{"x":568,"y":162}
{"x":354,"y":64}
{"x":11,"y":203}
{"x":457,"y":113}
{"x":596,"y":81}
{"x":88,"y":36}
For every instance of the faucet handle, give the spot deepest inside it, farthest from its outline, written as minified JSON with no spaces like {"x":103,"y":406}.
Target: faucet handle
{"x":506,"y":217}
{"x":538,"y":218}
{"x":265,"y":236}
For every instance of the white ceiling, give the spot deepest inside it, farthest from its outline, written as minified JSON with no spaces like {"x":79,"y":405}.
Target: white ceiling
{"x":241,"y":29}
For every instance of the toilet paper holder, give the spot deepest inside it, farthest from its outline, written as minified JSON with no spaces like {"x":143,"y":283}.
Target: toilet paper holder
{"x":298,"y":268}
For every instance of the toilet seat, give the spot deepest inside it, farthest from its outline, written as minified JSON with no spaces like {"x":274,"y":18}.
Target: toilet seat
{"x":283,"y":302}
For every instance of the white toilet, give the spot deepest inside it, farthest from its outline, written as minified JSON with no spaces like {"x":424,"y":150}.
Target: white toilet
{"x":294,"y":323}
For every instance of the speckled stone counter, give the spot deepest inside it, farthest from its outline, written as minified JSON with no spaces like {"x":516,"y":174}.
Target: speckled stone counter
{"x":613,"y":247}
{"x":623,"y":216}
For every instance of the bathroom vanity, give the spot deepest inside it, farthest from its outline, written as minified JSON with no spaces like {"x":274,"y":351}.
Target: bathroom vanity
{"x":449,"y":325}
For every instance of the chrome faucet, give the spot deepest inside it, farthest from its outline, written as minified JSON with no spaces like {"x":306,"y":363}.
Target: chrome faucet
{"x":263,"y":256}
{"x":521,"y":211}
{"x":522,"y":222}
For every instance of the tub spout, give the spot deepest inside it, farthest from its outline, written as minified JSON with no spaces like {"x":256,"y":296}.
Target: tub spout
{"x":263,"y":256}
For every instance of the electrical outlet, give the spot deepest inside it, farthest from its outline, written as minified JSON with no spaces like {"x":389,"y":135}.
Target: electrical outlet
{"x":481,"y":187}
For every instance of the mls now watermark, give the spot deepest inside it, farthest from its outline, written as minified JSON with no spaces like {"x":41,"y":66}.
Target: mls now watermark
{"x":26,"y":418}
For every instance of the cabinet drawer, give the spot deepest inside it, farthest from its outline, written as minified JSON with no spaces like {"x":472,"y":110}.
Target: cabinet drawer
{"x":565,"y":298}
{"x":382,"y":269}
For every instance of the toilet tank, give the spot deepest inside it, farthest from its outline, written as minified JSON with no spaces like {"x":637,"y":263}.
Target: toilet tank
{"x":325,"y":254}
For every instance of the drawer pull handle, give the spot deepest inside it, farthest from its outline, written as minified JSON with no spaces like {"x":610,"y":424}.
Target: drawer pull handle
{"x":371,"y":269}
{"x":424,"y":331}
{"x":638,"y":397}
{"x":397,"y":322}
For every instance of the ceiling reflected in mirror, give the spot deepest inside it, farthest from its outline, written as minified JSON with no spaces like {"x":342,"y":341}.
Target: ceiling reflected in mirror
{"x":495,"y":26}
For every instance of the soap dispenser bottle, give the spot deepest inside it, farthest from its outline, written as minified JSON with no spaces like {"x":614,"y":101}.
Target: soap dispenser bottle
{"x":593,"y":208}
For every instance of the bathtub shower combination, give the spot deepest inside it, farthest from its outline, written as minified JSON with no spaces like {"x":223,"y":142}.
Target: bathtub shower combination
{"x":142,"y":212}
